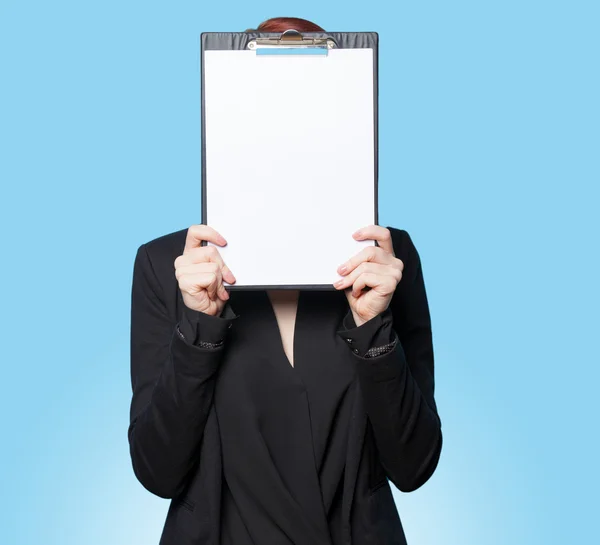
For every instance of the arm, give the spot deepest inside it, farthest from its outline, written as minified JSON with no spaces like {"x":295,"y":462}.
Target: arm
{"x":398,"y":386}
{"x":172,"y":383}
{"x":373,"y":338}
{"x":195,"y":328}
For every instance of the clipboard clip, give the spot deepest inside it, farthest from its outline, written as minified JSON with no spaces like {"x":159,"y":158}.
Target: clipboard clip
{"x":291,"y":42}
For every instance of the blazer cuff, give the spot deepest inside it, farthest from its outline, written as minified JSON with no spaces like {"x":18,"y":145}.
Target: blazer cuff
{"x":201,"y":329}
{"x":376,"y":332}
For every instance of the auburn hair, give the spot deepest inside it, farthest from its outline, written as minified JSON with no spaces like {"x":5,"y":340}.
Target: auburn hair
{"x":281,"y":24}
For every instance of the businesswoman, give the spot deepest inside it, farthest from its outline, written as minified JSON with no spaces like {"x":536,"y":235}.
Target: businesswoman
{"x":281,"y":417}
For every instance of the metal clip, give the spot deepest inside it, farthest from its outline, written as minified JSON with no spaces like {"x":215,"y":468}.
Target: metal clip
{"x":291,"y":39}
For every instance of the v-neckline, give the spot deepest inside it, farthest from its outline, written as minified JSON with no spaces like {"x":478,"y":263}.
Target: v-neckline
{"x":275,"y":325}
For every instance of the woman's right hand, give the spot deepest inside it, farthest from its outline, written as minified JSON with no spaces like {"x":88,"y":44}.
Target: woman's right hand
{"x":200,"y":271}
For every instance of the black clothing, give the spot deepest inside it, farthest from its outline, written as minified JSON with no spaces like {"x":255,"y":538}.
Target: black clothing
{"x":253,"y":450}
{"x":202,"y":330}
{"x":284,"y":429}
{"x":284,"y":433}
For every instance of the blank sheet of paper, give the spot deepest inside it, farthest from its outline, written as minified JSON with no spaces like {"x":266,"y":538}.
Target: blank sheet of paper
{"x":290,"y":162}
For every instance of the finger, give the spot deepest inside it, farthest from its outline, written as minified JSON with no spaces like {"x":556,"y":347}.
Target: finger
{"x":200,"y":254}
{"x":204,"y":254}
{"x":381,"y":234}
{"x":375,"y":268}
{"x":196,"y":269}
{"x":198,"y":233}
{"x":228,"y":275}
{"x":214,"y":286}
{"x":383,"y":284}
{"x":372,"y":254}
{"x":196,"y":283}
{"x":223,"y":293}
{"x":202,"y":276}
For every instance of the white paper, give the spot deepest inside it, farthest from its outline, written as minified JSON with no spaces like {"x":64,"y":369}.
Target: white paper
{"x":289,"y":162}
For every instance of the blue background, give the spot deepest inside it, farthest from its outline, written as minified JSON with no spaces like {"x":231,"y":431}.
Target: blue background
{"x":489,"y":156}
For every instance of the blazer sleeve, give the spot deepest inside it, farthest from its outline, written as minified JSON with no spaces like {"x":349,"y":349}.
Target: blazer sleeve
{"x":199,"y":330}
{"x":172,"y":383}
{"x":371,"y":339}
{"x":398,"y":387}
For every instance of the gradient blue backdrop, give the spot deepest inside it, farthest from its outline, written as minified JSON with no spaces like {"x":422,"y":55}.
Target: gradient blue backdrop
{"x":489,"y":155}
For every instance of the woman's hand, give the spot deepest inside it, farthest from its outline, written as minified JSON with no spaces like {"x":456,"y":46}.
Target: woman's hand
{"x":374,"y":267}
{"x":200,"y":271}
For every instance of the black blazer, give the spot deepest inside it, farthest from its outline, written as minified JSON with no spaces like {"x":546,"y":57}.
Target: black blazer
{"x":395,"y":435}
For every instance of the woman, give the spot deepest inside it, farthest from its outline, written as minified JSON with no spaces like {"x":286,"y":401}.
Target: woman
{"x":281,"y":417}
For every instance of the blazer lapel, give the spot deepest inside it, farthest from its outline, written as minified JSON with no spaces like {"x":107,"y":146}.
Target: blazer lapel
{"x":356,"y":437}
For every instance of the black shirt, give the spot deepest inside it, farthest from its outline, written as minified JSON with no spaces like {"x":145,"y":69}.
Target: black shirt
{"x":284,"y":429}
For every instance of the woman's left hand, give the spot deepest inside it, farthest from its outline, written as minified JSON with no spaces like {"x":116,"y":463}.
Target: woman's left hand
{"x":375,"y":267}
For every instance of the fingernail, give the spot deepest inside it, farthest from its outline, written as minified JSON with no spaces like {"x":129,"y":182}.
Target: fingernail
{"x":339,"y":283}
{"x":342,"y":269}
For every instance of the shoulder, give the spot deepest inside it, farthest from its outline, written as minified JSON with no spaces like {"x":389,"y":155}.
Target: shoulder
{"x":409,"y":304}
{"x":168,"y":244}
{"x":160,"y":253}
{"x":404,"y":247}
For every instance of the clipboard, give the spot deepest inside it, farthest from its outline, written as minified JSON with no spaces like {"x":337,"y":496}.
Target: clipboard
{"x":227,"y":99}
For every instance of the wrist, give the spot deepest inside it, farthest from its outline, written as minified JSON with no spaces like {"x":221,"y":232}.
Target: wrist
{"x":357,"y":319}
